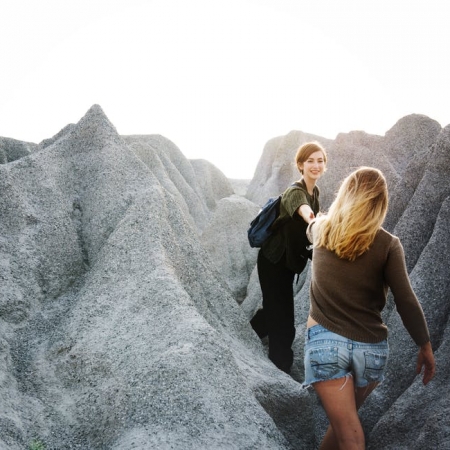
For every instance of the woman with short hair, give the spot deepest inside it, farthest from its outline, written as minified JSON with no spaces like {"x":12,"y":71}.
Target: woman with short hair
{"x":285,"y":254}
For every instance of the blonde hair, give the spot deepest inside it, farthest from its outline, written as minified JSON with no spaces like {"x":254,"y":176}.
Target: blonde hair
{"x":306,"y":150}
{"x":355,"y":216}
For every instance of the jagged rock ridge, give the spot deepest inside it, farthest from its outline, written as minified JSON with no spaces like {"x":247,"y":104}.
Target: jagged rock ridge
{"x":127,"y":285}
{"x":117,"y":330}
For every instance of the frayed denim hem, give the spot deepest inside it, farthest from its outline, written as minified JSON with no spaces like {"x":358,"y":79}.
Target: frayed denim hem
{"x":311,"y":385}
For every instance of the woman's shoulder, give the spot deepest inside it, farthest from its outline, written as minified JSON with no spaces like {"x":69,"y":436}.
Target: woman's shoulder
{"x":294,"y":190}
{"x":299,"y":184}
{"x":385,"y":238}
{"x":386,"y":235}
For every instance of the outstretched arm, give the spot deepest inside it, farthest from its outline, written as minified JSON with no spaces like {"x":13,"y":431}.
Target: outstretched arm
{"x":426,"y":358}
{"x":306,"y":213}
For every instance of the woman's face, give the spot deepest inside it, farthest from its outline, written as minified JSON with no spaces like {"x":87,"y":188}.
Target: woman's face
{"x":314,"y":167}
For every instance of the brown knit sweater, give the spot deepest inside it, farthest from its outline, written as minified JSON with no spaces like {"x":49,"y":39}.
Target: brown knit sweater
{"x":347,"y":297}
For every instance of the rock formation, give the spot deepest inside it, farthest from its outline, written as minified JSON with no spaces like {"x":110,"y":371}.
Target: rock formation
{"x":117,"y":330}
{"x":127,"y":284}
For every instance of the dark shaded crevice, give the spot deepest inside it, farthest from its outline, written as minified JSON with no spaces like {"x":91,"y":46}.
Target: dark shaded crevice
{"x":77,"y":218}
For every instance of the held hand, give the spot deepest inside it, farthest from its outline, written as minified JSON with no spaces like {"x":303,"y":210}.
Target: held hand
{"x":306,"y":213}
{"x":426,"y":358}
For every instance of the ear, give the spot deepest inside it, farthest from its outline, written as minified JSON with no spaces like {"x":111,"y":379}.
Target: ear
{"x":300,"y":167}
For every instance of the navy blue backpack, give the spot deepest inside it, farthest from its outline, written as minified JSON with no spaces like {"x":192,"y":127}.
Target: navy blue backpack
{"x":261,"y":226}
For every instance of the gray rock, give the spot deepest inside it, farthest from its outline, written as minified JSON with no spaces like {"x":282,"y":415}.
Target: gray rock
{"x":116,"y":329}
{"x":166,"y":162}
{"x":12,"y":149}
{"x":128,"y":284}
{"x":240,"y":186}
{"x":416,"y":224}
{"x":226,"y":241}
{"x":213,"y":183}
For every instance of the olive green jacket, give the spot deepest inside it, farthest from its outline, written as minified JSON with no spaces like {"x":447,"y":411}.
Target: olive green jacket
{"x":289,"y":236}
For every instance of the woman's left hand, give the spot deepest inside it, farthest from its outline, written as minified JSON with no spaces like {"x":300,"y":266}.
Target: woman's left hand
{"x":426,"y":358}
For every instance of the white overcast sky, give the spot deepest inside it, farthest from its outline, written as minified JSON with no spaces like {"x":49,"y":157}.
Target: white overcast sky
{"x":221,"y":77}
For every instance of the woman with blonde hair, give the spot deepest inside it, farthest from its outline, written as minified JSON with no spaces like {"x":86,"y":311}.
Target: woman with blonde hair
{"x":354,"y":263}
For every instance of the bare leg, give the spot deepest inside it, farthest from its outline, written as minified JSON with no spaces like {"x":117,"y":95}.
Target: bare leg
{"x":361,"y":393}
{"x":330,"y":441}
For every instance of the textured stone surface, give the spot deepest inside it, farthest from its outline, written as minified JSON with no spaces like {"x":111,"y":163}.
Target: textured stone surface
{"x":12,"y":149}
{"x":127,"y":284}
{"x":226,"y":241}
{"x":116,"y":329}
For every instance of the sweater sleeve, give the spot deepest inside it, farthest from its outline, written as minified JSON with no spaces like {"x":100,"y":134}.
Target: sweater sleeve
{"x":406,"y":302}
{"x":309,"y":231}
{"x":293,"y":199}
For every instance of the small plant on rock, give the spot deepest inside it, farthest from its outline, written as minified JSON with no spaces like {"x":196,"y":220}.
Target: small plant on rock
{"x":36,"y":444}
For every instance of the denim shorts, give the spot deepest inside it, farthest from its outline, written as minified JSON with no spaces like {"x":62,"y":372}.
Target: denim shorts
{"x":329,"y":356}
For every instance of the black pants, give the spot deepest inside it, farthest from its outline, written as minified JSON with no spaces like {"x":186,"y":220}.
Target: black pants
{"x":276,"y":318}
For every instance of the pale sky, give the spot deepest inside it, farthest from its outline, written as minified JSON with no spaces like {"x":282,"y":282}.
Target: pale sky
{"x":221,"y":77}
